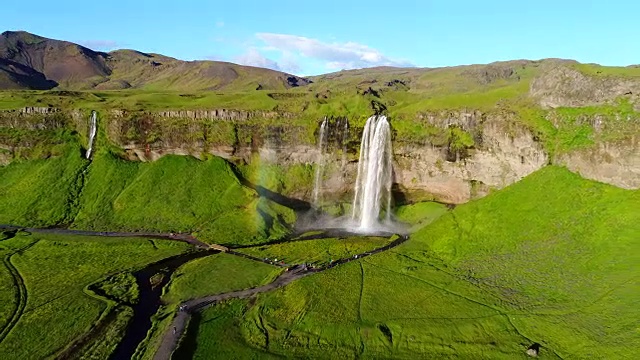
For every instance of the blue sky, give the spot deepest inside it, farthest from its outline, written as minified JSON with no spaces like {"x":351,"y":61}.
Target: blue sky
{"x":313,"y":37}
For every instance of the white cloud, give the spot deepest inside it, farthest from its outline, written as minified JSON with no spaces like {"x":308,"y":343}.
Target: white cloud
{"x":289,"y":63}
{"x":254,"y":58}
{"x":99,"y":44}
{"x":336,"y":55}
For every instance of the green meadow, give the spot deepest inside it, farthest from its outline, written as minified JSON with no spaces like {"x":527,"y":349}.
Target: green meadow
{"x":549,"y":260}
{"x":316,"y":252}
{"x":49,"y":302}
{"x":217,"y":274}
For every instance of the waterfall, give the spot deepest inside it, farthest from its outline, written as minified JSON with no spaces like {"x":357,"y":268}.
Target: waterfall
{"x":319,"y":163}
{"x":92,"y":132}
{"x":373,"y":184}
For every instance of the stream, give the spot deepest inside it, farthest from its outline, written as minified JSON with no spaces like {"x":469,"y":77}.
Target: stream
{"x":149,"y":300}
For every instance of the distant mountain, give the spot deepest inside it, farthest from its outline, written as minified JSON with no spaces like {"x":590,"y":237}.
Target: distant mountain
{"x":29,"y":61}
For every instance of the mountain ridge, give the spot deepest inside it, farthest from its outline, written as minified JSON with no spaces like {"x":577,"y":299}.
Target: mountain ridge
{"x":33,"y":62}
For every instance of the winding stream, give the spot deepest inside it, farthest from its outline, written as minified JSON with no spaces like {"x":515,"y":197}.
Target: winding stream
{"x":149,"y":300}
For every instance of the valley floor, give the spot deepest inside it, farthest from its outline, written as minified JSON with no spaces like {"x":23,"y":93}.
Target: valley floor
{"x":550,"y":261}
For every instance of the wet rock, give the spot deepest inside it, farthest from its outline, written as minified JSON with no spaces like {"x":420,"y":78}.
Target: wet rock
{"x":377,"y":107}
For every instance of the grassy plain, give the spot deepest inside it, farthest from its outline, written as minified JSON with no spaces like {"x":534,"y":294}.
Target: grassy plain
{"x":217,"y":274}
{"x":56,"y":270}
{"x":318,"y":251}
{"x":221,"y":337}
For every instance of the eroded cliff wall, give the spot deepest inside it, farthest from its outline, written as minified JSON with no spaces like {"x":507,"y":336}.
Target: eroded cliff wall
{"x":468,"y":153}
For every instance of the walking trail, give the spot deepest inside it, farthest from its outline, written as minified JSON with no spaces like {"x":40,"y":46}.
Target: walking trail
{"x":174,"y":333}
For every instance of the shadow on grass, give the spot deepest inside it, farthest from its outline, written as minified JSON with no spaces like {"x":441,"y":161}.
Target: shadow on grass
{"x":291,"y":203}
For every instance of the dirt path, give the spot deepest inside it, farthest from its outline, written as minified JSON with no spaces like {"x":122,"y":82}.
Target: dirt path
{"x":173,"y":335}
{"x":175,"y":332}
{"x":166,"y":236}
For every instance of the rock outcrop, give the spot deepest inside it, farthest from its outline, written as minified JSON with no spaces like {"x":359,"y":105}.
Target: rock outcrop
{"x":613,"y":163}
{"x":563,"y":86}
{"x":32,"y":118}
{"x":503,"y":158}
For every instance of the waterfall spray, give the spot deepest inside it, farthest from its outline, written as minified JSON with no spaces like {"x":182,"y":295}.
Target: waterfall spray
{"x":319,"y":163}
{"x":92,"y":132}
{"x":373,"y":185}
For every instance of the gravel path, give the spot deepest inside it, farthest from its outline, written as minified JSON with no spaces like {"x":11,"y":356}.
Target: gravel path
{"x":172,"y":337}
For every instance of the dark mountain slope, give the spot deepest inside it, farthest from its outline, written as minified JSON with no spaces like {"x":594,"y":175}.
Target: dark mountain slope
{"x":27,"y":58}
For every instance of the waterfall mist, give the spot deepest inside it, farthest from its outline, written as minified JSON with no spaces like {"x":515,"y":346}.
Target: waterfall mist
{"x":371,"y":207}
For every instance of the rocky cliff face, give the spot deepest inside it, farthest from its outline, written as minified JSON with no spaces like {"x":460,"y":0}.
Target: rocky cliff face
{"x":563,"y":86}
{"x":614,"y":163}
{"x":498,"y":151}
{"x":21,"y":131}
{"x":503,"y":153}
{"x":504,"y":157}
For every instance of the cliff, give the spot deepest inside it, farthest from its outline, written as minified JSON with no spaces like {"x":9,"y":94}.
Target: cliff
{"x":466,"y":155}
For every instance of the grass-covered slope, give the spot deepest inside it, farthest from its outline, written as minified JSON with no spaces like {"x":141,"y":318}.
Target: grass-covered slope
{"x":173,"y":194}
{"x":552,"y":259}
{"x":42,"y":192}
{"x":51,"y":274}
{"x":177,"y":194}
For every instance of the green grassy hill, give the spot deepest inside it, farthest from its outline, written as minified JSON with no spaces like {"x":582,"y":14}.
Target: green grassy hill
{"x":550,"y":260}
{"x":177,"y":194}
{"x":174,"y":194}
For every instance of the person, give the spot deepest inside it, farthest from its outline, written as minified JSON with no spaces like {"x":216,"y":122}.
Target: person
{"x":174,"y":330}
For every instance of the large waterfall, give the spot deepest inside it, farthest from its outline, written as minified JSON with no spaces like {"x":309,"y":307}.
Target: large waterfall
{"x":373,"y":185}
{"x":320,"y":162}
{"x":92,"y":133}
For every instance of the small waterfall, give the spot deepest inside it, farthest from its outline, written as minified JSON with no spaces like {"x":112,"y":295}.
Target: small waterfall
{"x":373,"y":185}
{"x":320,"y":162}
{"x":92,"y":132}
